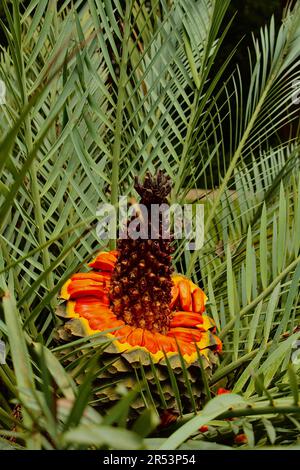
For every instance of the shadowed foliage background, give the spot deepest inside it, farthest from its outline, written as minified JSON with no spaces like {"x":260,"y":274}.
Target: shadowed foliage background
{"x":86,"y":113}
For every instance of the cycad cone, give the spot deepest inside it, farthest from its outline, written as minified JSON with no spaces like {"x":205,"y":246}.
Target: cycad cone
{"x":155,"y":315}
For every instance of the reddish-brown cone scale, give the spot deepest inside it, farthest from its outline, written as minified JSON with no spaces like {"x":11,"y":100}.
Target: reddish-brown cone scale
{"x":141,"y":281}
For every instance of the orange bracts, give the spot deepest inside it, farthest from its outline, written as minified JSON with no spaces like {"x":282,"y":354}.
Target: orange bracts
{"x":241,"y":439}
{"x":175,"y":295}
{"x":189,"y":335}
{"x":87,"y":296}
{"x":186,"y":319}
{"x":185,"y":296}
{"x":105,"y":261}
{"x":203,"y":428}
{"x":188,"y":295}
{"x":222,"y":391}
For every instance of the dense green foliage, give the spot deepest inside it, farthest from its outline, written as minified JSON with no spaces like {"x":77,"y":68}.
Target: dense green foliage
{"x":97,"y":94}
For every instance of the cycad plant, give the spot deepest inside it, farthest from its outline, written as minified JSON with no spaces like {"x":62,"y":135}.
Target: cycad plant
{"x":97,"y":93}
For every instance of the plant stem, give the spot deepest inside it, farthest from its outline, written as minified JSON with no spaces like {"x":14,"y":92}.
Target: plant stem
{"x":250,"y":410}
